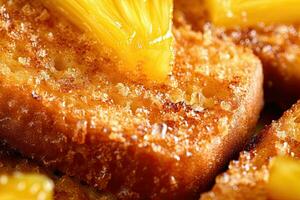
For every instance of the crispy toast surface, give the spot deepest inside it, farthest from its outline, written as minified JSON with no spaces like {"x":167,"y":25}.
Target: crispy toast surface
{"x":247,"y":177}
{"x":63,"y":103}
{"x":65,"y":187}
{"x":277,"y":46}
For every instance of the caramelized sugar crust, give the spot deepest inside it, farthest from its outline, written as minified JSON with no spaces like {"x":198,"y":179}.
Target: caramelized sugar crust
{"x":65,"y":104}
{"x":277,"y":46}
{"x":65,"y":187}
{"x":247,"y":177}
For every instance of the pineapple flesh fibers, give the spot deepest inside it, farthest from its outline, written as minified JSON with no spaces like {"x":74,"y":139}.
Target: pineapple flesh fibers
{"x":25,"y":186}
{"x":232,"y":13}
{"x":284,"y":180}
{"x":138,"y":31}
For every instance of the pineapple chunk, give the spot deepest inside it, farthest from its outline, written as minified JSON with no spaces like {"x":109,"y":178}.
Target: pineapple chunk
{"x":232,"y":13}
{"x":284,"y":180}
{"x":29,"y":187}
{"x":138,"y":31}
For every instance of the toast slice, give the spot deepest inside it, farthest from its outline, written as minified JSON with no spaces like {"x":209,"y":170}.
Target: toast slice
{"x":277,"y":46}
{"x":65,"y":187}
{"x":63,"y":103}
{"x":247,"y":177}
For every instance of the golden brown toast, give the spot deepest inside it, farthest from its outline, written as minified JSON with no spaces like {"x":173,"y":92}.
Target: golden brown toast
{"x":63,"y":103}
{"x":247,"y":177}
{"x":65,"y":187}
{"x":277,"y":46}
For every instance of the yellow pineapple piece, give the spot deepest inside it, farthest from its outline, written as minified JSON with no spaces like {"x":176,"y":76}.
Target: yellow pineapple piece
{"x":26,"y":187}
{"x":284,"y":180}
{"x":139,"y":31}
{"x":231,"y":13}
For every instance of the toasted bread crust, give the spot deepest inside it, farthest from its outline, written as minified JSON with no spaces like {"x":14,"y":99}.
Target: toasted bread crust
{"x":247,"y":177}
{"x":277,"y":46}
{"x":139,"y":142}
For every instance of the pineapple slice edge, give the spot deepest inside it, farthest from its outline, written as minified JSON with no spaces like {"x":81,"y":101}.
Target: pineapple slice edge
{"x":25,"y":186}
{"x":245,"y":13}
{"x":284,"y":179}
{"x":138,"y":32}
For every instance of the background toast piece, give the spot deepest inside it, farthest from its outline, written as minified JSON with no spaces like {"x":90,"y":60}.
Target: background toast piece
{"x":247,"y":177}
{"x":277,"y":46}
{"x":65,"y":187}
{"x":65,"y":105}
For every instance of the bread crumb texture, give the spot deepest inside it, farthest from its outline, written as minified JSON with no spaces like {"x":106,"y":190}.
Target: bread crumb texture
{"x":63,"y":102}
{"x":247,"y":178}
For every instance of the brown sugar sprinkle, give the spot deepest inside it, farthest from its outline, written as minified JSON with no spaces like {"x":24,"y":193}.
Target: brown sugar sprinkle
{"x":277,"y":46}
{"x":247,"y":177}
{"x":119,"y":128}
{"x":57,"y":60}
